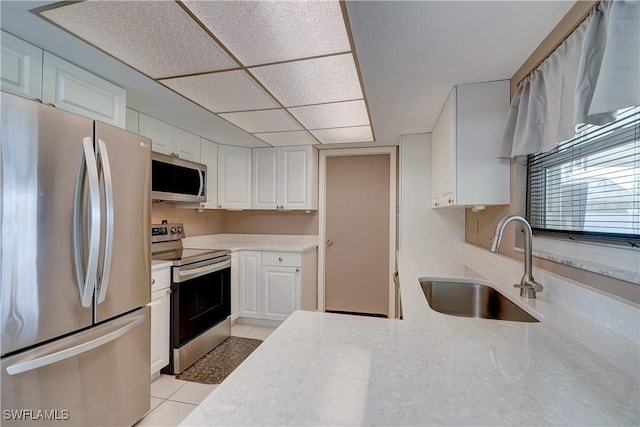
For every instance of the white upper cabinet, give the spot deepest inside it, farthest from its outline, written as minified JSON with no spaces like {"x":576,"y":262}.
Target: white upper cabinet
{"x":21,"y":67}
{"x":234,"y":177}
{"x":187,"y":145}
{"x":265,"y":178}
{"x":73,"y":89}
{"x":464,"y":147}
{"x":132,"y":118}
{"x":170,"y":140}
{"x":159,"y":133}
{"x":285,"y":178}
{"x":209,"y":157}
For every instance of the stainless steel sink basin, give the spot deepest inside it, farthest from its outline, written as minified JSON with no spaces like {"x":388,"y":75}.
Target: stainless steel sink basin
{"x":462,"y":299}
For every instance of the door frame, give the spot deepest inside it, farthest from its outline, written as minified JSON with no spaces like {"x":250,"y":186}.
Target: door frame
{"x":322,"y":218}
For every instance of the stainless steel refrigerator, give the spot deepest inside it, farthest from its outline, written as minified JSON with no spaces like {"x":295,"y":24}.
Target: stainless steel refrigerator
{"x":75,"y":268}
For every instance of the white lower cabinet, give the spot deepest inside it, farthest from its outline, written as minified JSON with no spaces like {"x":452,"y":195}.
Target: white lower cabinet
{"x":249,"y":281}
{"x":281,"y":291}
{"x":272,"y":285}
{"x":160,"y":318}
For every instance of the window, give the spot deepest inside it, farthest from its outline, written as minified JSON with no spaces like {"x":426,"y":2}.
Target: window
{"x":588,"y":188}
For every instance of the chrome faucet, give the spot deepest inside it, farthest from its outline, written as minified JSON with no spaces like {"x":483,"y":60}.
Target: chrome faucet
{"x":528,"y":286}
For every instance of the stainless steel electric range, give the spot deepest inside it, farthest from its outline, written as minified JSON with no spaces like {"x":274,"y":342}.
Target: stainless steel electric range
{"x":200,"y":295}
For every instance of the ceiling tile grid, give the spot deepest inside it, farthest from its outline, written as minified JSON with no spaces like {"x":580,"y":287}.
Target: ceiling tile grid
{"x":274,"y":31}
{"x":157,"y":38}
{"x":344,"y":135}
{"x":338,"y":114}
{"x":263,"y":120}
{"x":225,"y":91}
{"x":278,"y":139}
{"x":312,"y":81}
{"x":276,"y":69}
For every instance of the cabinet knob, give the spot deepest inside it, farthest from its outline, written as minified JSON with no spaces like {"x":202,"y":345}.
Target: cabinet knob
{"x":169,"y":291}
{"x":280,"y":259}
{"x":330,"y":242}
{"x":450,"y":201}
{"x":297,"y":270}
{"x":153,"y":281}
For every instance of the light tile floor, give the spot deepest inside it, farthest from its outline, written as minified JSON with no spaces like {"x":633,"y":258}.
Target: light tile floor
{"x":172,"y":400}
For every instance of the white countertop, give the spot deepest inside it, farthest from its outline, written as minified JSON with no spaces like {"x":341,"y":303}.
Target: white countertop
{"x":158,"y":264}
{"x":434,"y":369}
{"x":252,"y":242}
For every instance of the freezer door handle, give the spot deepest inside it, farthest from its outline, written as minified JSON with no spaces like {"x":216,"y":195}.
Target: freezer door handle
{"x":103,"y":281}
{"x":86,"y":277}
{"x":73,"y":351}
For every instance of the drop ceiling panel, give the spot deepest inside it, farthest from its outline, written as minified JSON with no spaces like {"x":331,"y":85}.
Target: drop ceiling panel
{"x":287,"y":138}
{"x":339,"y":114}
{"x":274,"y":31}
{"x":263,"y":121}
{"x":341,"y":135}
{"x":157,"y":38}
{"x":226,"y":91}
{"x":312,"y":81}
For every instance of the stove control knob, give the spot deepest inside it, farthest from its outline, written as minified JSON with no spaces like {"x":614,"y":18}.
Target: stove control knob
{"x":179,"y":229}
{"x":172,"y":230}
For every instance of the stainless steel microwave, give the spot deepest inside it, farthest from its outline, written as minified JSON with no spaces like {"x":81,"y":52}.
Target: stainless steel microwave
{"x":177,"y":180}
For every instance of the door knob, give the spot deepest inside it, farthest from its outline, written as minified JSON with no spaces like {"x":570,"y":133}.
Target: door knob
{"x":330,"y":242}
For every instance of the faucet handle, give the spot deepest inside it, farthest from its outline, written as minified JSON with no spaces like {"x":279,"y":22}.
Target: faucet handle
{"x":528,"y":287}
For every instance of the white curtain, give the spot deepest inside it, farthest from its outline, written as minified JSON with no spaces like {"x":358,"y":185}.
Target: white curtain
{"x":591,"y":75}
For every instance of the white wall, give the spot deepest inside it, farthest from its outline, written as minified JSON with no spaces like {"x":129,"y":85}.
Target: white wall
{"x":423,"y":228}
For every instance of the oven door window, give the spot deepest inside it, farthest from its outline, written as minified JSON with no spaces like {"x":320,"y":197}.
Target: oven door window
{"x":199,"y":304}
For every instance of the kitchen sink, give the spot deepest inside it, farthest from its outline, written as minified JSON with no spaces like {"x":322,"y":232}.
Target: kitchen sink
{"x":470,"y":299}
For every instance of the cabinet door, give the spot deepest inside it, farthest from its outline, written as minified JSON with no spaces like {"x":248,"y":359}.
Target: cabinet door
{"x":160,"y":316}
{"x":296,"y":177}
{"x":186,"y":145}
{"x":73,"y":89}
{"x":265,"y":178}
{"x":443,"y":154}
{"x":21,"y":67}
{"x":436,"y":148}
{"x":249,"y":283}
{"x":281,"y":291}
{"x":132,"y":119}
{"x":159,"y":133}
{"x":209,"y":157}
{"x":234,"y":177}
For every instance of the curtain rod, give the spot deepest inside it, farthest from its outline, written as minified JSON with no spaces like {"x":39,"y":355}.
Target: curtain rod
{"x":567,"y":25}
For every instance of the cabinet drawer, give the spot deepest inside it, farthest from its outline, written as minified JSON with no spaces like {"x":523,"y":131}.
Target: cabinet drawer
{"x":160,"y":278}
{"x":288,"y":259}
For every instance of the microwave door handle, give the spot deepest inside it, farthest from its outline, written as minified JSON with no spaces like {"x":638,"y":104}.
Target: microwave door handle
{"x":201,"y":182}
{"x":103,"y":281}
{"x":86,"y":276}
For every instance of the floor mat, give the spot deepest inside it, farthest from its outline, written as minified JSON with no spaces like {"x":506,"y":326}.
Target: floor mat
{"x":216,"y":365}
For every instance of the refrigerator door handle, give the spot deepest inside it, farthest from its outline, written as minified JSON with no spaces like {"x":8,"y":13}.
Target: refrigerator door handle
{"x":86,"y":276}
{"x":103,"y":281}
{"x":59,"y":356}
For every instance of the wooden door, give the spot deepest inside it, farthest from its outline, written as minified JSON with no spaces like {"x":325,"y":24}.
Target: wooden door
{"x":357,"y":272}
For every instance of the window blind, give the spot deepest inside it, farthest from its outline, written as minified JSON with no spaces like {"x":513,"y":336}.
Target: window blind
{"x":588,"y":188}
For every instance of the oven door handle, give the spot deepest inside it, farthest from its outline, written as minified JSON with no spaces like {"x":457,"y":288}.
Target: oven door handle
{"x":184,"y":275}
